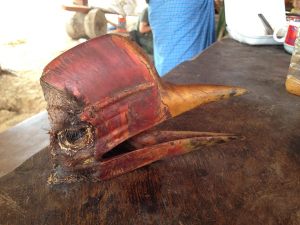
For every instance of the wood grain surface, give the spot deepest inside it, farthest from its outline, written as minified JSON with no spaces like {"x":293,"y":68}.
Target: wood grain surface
{"x":254,"y":181}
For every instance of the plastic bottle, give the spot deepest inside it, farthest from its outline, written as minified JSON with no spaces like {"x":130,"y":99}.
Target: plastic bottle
{"x":121,"y":24}
{"x":292,"y":82}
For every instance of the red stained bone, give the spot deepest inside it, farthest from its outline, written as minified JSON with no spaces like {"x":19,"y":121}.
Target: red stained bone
{"x":108,"y":84}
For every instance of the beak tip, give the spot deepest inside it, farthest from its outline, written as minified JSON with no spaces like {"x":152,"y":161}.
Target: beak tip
{"x":238,"y":91}
{"x":237,"y":137}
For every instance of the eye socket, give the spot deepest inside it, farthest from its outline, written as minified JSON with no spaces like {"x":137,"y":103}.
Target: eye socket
{"x":75,"y":138}
{"x":74,"y":135}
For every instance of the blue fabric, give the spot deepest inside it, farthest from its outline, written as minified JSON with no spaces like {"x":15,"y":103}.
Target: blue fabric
{"x":181,"y":30}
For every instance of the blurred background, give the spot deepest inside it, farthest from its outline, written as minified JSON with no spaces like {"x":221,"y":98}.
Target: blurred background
{"x":33,"y":32}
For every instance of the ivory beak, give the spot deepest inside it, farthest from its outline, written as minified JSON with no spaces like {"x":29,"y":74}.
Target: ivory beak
{"x":182,"y":98}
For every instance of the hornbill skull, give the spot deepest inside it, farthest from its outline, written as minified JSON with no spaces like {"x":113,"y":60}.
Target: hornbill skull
{"x":105,"y":94}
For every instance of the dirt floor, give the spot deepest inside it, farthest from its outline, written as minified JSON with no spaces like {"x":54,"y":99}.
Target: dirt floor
{"x":20,"y":98}
{"x":29,"y":39}
{"x":22,"y":64}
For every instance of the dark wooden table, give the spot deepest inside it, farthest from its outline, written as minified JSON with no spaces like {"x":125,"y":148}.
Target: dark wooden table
{"x":254,"y":181}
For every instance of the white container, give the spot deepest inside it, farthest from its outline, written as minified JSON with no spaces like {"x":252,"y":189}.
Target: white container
{"x":244,"y":25}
